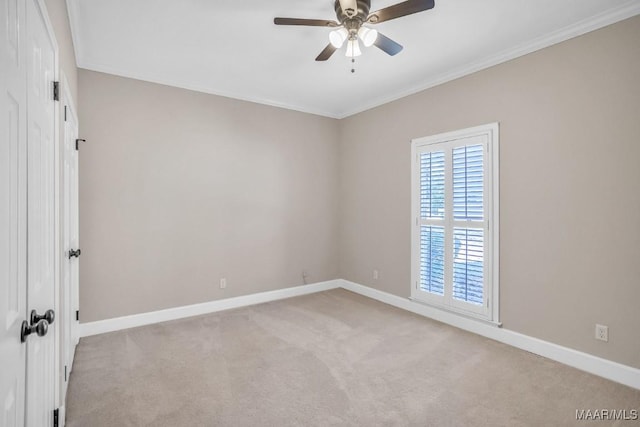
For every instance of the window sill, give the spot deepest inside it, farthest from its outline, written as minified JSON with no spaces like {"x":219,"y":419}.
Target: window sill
{"x":458,"y":313}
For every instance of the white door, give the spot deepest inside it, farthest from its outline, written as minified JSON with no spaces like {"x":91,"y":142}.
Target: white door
{"x":41,"y":279}
{"x":13,"y":186}
{"x":69,"y":295}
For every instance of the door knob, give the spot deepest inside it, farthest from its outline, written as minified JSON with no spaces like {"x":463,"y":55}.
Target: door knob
{"x":75,"y":253}
{"x":41,"y":328}
{"x":48,"y":315}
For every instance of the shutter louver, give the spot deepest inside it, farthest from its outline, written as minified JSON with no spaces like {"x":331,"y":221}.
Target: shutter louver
{"x":432,"y":259}
{"x":432,"y":185}
{"x":468,"y":182}
{"x":468,"y":264}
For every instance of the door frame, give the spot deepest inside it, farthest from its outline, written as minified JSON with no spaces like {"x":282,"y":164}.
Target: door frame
{"x":68,"y":108}
{"x":40,"y":4}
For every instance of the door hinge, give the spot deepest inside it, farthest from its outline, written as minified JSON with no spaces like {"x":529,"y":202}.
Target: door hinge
{"x":79,"y":140}
{"x":65,"y":113}
{"x":56,"y":91}
{"x":65,"y":373}
{"x":55,"y":417}
{"x":78,"y":315}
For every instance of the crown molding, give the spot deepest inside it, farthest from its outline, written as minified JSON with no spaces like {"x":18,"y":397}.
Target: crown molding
{"x":184,"y":84}
{"x":625,"y":11}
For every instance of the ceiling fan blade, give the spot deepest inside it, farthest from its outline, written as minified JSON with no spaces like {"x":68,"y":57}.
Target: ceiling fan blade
{"x":326,"y":53}
{"x":307,"y":22}
{"x":386,"y":44}
{"x":401,"y":9}
{"x":345,"y":5}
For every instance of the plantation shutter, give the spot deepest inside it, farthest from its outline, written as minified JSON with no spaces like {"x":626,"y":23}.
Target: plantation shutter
{"x":468,"y":251}
{"x":452,"y":242}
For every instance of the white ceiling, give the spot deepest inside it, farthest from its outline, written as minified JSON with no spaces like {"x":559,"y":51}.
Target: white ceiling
{"x":232,"y":48}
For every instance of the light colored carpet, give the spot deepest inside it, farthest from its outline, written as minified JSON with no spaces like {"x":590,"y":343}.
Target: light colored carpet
{"x":332,"y":358}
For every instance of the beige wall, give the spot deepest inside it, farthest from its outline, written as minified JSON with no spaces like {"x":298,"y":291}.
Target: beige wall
{"x":570,"y":187}
{"x":179,"y":189}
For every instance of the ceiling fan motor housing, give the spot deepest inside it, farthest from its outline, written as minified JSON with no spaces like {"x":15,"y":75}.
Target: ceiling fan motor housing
{"x":350,"y":20}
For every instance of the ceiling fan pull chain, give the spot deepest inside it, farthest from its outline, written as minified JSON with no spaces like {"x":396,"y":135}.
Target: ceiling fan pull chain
{"x":353,"y":59}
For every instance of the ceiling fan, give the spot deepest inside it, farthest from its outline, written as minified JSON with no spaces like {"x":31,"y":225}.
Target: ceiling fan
{"x":352,"y":15}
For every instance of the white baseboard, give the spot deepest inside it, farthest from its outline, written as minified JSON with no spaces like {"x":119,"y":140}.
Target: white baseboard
{"x":613,"y":371}
{"x":608,"y":369}
{"x":134,"y":320}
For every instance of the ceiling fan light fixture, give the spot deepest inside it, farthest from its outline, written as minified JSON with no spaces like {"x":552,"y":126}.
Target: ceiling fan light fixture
{"x":353,"y":48}
{"x":368,"y":36}
{"x":338,"y":37}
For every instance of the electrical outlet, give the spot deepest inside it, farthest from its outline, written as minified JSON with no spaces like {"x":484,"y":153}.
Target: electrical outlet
{"x":602,"y":333}
{"x":376,"y":275}
{"x":223,"y":283}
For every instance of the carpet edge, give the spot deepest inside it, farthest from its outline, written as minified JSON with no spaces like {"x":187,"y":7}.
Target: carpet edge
{"x":614,"y":371}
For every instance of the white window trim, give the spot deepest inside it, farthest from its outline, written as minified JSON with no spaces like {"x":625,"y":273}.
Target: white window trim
{"x":491,"y":130}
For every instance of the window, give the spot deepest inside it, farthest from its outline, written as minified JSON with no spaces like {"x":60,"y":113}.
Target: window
{"x":454,"y":212}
